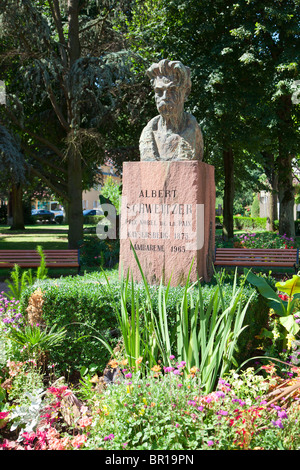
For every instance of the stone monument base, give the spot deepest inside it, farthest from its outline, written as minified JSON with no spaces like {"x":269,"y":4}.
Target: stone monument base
{"x":168,"y":216}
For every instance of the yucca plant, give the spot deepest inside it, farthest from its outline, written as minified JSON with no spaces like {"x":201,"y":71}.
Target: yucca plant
{"x":204,"y":337}
{"x":219,"y":328}
{"x":36,"y":341}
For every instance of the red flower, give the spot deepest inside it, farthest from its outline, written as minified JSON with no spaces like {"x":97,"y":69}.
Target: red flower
{"x":58,"y":392}
{"x":283,"y":296}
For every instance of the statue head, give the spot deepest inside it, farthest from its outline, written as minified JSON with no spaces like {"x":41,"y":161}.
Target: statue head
{"x":172,"y":84}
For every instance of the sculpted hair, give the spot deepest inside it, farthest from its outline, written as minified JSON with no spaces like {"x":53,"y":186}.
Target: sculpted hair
{"x":174,"y":70}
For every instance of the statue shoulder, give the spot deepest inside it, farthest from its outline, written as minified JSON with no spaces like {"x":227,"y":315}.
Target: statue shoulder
{"x":147,"y":145}
{"x":192,"y":121}
{"x":151,"y":125}
{"x":196,"y":135}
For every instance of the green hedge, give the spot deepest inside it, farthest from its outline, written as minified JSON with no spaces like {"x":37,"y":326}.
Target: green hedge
{"x":85,"y":309}
{"x":297,"y":226}
{"x":92,"y":219}
{"x":87,"y":300}
{"x":245,"y":223}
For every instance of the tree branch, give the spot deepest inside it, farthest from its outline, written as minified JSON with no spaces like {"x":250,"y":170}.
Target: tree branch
{"x":36,"y":157}
{"x":56,"y":107}
{"x":44,"y":141}
{"x":55,"y":10}
{"x":56,"y":189}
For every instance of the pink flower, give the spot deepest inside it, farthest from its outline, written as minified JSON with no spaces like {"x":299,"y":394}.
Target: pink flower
{"x":168,"y":369}
{"x":79,"y":440}
{"x":29,"y":436}
{"x":109,"y":437}
{"x":59,"y":392}
{"x":8,"y":444}
{"x":85,"y":421}
{"x":191,"y":402}
{"x":3,"y":419}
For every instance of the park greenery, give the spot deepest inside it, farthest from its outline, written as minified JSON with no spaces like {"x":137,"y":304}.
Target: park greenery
{"x":97,"y":361}
{"x":76,"y":94}
{"x":101,"y":362}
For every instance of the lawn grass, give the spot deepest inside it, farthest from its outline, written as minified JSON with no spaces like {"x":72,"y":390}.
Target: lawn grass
{"x":55,"y":237}
{"x":50,"y":237}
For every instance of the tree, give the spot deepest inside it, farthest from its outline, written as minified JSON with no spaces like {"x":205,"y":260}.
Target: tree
{"x":224,"y":91}
{"x":13,"y":177}
{"x":244,"y":61}
{"x":71,"y":67}
{"x":269,"y":35}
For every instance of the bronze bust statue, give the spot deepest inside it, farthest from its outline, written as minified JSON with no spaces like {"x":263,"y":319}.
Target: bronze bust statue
{"x":173,"y":135}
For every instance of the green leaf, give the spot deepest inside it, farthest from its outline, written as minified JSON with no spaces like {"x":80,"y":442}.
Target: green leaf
{"x":266,"y":291}
{"x":290,"y":324}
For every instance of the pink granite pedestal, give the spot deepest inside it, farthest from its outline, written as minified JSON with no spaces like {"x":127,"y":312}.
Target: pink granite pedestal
{"x":168,"y":214}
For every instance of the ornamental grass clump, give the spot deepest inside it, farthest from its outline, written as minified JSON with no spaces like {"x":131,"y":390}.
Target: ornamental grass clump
{"x":204,"y":336}
{"x":35,"y":307}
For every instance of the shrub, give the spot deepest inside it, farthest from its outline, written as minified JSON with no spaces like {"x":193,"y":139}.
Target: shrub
{"x":95,"y":252}
{"x":249,"y":223}
{"x":84,"y":309}
{"x":245,"y":223}
{"x":83,"y":304}
{"x":255,"y":207}
{"x":92,"y":219}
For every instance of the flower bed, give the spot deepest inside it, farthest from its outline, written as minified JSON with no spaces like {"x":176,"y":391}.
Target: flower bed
{"x":145,"y":398}
{"x":263,"y":240}
{"x":166,"y":410}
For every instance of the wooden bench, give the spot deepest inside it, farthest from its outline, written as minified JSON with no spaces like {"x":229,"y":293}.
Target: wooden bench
{"x":258,"y":257}
{"x":32,"y":259}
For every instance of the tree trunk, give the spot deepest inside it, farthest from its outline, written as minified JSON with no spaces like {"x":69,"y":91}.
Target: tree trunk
{"x":73,"y":20}
{"x":17,"y":208}
{"x":75,"y":214}
{"x":285,"y":172}
{"x":228,"y":197}
{"x":286,"y":196}
{"x":272,"y":175}
{"x":272,"y":205}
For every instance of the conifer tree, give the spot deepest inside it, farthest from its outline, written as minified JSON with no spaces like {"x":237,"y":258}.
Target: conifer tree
{"x":69,"y":65}
{"x":13,"y":177}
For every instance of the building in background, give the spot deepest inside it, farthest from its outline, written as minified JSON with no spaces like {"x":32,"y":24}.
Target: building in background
{"x":90,"y":198}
